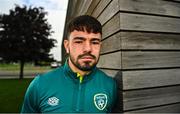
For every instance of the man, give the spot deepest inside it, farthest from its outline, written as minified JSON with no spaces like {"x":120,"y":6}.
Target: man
{"x":78,"y":86}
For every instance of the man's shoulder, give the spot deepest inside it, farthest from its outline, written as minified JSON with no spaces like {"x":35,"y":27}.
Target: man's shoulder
{"x":51,"y":74}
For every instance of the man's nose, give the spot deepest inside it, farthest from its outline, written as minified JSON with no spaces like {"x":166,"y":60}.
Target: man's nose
{"x":87,"y":47}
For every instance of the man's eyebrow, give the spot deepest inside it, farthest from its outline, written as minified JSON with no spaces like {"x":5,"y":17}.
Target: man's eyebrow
{"x":82,"y":38}
{"x":78,"y":38}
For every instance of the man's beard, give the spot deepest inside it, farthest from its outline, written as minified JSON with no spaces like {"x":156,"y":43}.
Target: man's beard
{"x":88,"y":66}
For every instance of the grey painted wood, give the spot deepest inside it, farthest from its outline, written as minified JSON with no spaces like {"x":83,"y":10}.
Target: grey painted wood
{"x":151,"y":97}
{"x":150,"y":59}
{"x":112,"y":60}
{"x":77,"y":7}
{"x":84,"y":6}
{"x":151,"y":41}
{"x":111,"y":73}
{"x":141,"y":41}
{"x":81,"y":7}
{"x":112,"y":43}
{"x":110,"y":11}
{"x":150,"y":78}
{"x":173,"y":108}
{"x":100,"y":7}
{"x":149,"y":23}
{"x":92,"y":6}
{"x":109,"y":28}
{"x":161,"y":7}
{"x":142,"y":59}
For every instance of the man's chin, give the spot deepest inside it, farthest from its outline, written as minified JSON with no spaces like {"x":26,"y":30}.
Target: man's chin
{"x":87,"y":67}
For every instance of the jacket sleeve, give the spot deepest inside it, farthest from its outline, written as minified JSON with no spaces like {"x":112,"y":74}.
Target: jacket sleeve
{"x":31,"y":99}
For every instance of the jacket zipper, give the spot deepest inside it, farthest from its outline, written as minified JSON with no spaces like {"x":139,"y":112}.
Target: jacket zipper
{"x":79,"y":98}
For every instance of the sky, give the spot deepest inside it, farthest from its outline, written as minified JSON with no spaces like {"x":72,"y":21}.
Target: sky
{"x":56,"y":17}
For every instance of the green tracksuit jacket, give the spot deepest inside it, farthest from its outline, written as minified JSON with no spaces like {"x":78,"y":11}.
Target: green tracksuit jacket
{"x":61,"y":91}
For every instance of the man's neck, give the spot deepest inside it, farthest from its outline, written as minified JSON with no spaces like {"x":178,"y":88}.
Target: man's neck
{"x":75,"y":69}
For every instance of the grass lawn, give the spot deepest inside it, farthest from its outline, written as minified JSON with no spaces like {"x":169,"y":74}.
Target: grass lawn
{"x":27,"y":67}
{"x":12,"y":93}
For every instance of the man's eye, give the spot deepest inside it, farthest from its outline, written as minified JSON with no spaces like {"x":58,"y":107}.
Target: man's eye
{"x":95,"y":42}
{"x":78,"y":42}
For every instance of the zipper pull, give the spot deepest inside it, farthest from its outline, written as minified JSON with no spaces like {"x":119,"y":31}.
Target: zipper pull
{"x":80,"y":77}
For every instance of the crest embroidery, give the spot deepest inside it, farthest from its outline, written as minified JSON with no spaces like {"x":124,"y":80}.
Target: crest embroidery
{"x":100,"y":101}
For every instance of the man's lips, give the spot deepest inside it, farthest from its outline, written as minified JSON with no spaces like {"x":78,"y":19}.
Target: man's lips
{"x":87,"y":58}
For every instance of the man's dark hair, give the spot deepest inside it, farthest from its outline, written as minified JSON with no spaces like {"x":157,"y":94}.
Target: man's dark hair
{"x":84,"y":23}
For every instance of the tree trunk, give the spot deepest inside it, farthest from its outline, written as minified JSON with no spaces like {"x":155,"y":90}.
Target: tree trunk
{"x":21,"y":75}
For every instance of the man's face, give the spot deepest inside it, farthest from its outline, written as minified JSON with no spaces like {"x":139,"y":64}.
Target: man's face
{"x":83,"y":49}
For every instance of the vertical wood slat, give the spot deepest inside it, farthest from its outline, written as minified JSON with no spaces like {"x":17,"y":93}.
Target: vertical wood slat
{"x":110,"y":28}
{"x":85,"y":5}
{"x":100,"y":7}
{"x":92,"y":6}
{"x":81,"y":7}
{"x":110,"y":11}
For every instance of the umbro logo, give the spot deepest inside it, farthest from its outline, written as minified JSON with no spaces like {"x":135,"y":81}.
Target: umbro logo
{"x":53,"y":101}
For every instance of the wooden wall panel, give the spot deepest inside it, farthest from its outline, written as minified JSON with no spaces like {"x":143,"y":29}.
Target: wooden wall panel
{"x":150,"y":59}
{"x":100,"y":7}
{"x":149,"y":23}
{"x":112,"y":43}
{"x":151,"y":97}
{"x":110,"y":11}
{"x":112,"y":60}
{"x":92,"y":6}
{"x":141,"y":41}
{"x":111,"y":72}
{"x":82,"y":7}
{"x":160,"y":7}
{"x":144,"y":59}
{"x":110,"y":28}
{"x":150,"y":78}
{"x":171,"y":108}
{"x":150,"y":41}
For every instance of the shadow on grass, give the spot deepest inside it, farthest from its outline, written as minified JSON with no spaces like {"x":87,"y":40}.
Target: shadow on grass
{"x":12,"y":94}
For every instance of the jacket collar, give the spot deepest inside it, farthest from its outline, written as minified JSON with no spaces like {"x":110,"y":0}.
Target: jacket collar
{"x":73,"y":75}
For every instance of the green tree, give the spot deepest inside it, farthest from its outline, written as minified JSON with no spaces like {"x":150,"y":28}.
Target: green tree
{"x":24,"y":35}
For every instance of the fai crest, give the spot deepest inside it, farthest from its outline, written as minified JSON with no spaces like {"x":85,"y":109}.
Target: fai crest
{"x":100,"y":101}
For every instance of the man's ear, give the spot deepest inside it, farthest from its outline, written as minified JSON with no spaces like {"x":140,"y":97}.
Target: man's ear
{"x":66,"y":46}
